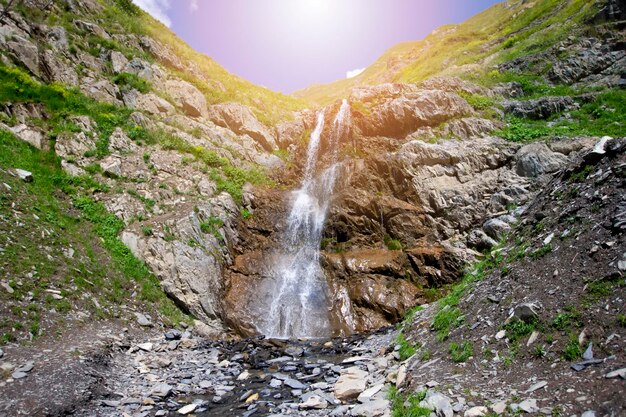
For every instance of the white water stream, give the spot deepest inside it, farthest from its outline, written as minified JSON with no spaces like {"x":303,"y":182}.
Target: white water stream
{"x":298,"y":302}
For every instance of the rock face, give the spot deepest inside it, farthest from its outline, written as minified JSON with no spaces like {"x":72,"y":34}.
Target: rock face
{"x":541,"y":108}
{"x":188,"y":97}
{"x":403,"y":115}
{"x":241,"y":120}
{"x":537,"y":159}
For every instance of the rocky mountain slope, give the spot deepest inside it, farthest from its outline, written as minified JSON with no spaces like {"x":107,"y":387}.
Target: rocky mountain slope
{"x":144,"y":189}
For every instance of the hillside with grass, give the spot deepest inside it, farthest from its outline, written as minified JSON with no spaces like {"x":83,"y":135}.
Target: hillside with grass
{"x":500,"y":34}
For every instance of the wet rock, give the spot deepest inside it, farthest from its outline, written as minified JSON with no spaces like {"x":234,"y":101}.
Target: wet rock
{"x":351,"y":383}
{"x":188,"y":409}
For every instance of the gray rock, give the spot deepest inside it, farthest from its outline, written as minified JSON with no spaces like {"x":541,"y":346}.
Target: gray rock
{"x":525,"y":312}
{"x":30,"y":134}
{"x":173,"y":335}
{"x":27,"y":367}
{"x":588,"y":353}
{"x":162,"y":390}
{"x":439,"y":403}
{"x":1,"y":353}
{"x":19,"y":375}
{"x":25,"y":176}
{"x":313,"y":402}
{"x":351,"y":383}
{"x":541,"y":108}
{"x":371,"y":408}
{"x":143,"y":320}
{"x":588,"y":413}
{"x":292,"y":383}
{"x":242,"y":121}
{"x":529,"y":406}
{"x":621,"y":373}
{"x":24,"y":52}
{"x":536,"y":159}
{"x":496,"y":228}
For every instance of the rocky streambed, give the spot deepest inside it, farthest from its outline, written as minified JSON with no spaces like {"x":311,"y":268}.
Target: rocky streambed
{"x":176,"y":374}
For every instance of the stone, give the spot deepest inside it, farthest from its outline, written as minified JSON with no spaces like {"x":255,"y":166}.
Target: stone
{"x":536,"y":159}
{"x":252,"y":398}
{"x":188,"y":409}
{"x":24,"y":52}
{"x":478,"y":411}
{"x":371,"y":408}
{"x":57,"y":69}
{"x":351,"y":383}
{"x":619,"y":373}
{"x":401,"y":377}
{"x":496,"y":228}
{"x":242,"y":121}
{"x":24,"y":175}
{"x":314,"y":402}
{"x":243,"y":376}
{"x":111,"y":166}
{"x":369,"y":393}
{"x":142,"y":320}
{"x":147,"y":347}
{"x":499,"y":407}
{"x":524,"y":312}
{"x":588,"y":354}
{"x":162,"y":390}
{"x":439,"y":403}
{"x":187,"y":97}
{"x":19,"y":375}
{"x":588,"y":413}
{"x":533,"y":338}
{"x":30,"y":134}
{"x":173,"y":335}
{"x":500,"y":335}
{"x":536,"y":386}
{"x":292,"y":383}
{"x":57,"y":38}
{"x":529,"y":406}
{"x":1,"y":353}
{"x":541,"y":108}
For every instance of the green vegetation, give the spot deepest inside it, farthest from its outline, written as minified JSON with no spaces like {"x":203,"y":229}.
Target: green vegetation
{"x":461,"y":352}
{"x":541,"y":252}
{"x":567,"y":319}
{"x":517,"y":329}
{"x":403,"y":405}
{"x":478,"y":101}
{"x":572,"y":350}
{"x":621,"y":320}
{"x":407,"y":349}
{"x":128,"y":80}
{"x":213,"y":225}
{"x":64,"y":206}
{"x":392,"y":244}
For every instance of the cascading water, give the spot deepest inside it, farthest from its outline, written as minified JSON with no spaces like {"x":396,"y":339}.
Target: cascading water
{"x":297,"y":288}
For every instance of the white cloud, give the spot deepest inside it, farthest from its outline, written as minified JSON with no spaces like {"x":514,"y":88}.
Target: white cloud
{"x":193,"y":5}
{"x":157,"y":8}
{"x":354,"y":72}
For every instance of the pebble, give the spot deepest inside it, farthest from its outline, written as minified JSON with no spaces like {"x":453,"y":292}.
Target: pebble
{"x":500,"y":335}
{"x":19,"y":375}
{"x":143,"y":320}
{"x":24,"y":175}
{"x":314,"y":402}
{"x":621,"y":373}
{"x":188,"y":409}
{"x":147,"y":347}
{"x":478,"y":411}
{"x":536,"y":386}
{"x":499,"y":407}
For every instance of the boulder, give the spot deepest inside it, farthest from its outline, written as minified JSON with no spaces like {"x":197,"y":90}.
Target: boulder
{"x":541,"y":108}
{"x":351,"y":383}
{"x":241,"y":120}
{"x":25,"y":52}
{"x":149,"y":103}
{"x":372,"y":408}
{"x":405,"y":114}
{"x":536,"y":159}
{"x":92,"y":28}
{"x":118,"y":141}
{"x":31,"y":134}
{"x":57,"y":38}
{"x":187,"y":97}
{"x":111,"y":166}
{"x":55,"y":68}
{"x":140,"y":68}
{"x":118,"y":61}
{"x":73,"y":144}
{"x":439,"y":403}
{"x":102,"y":90}
{"x":496,"y":228}
{"x":162,"y":53}
{"x":469,"y":127}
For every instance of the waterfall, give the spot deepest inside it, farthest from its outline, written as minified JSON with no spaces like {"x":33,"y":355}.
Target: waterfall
{"x":298,"y":291}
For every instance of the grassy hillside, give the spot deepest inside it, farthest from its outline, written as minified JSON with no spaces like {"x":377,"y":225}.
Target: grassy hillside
{"x":122,"y":17}
{"x":499,"y":34}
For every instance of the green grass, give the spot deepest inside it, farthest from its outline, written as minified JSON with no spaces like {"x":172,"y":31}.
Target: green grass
{"x":517,"y":329}
{"x":461,"y":352}
{"x":572,"y":350}
{"x":403,"y":405}
{"x":212,"y":225}
{"x":118,"y":280}
{"x":128,"y":80}
{"x":567,"y":319}
{"x":407,"y":349}
{"x":392,"y":244}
